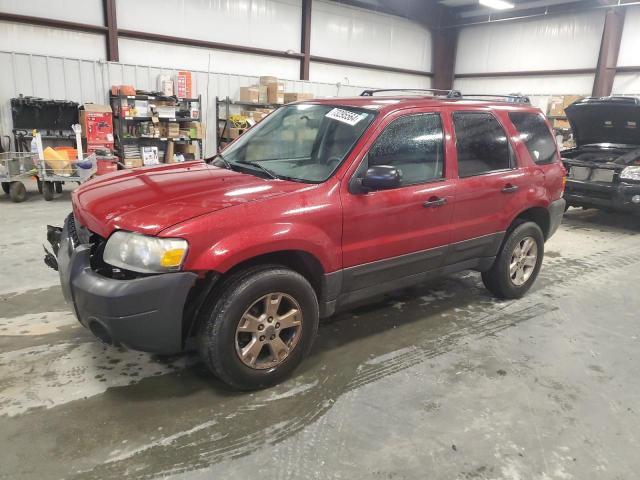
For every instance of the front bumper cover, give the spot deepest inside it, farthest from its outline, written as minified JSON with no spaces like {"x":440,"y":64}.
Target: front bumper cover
{"x":145,"y":313}
{"x":614,"y":196}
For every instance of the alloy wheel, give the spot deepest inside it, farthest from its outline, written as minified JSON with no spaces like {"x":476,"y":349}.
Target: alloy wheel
{"x":268,"y":331}
{"x":523,"y":261}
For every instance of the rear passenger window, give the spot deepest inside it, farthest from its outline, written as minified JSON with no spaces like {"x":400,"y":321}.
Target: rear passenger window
{"x":536,"y":136}
{"x":482,"y":144}
{"x":414,"y":144}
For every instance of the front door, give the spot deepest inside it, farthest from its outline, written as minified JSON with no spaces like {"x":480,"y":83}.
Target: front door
{"x":396,"y":233}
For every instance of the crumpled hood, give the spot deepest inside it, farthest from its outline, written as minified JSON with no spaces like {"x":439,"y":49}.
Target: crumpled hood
{"x":148,"y":200}
{"x":614,"y":120}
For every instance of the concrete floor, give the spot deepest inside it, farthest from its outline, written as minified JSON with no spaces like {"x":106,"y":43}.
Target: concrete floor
{"x":440,"y":381}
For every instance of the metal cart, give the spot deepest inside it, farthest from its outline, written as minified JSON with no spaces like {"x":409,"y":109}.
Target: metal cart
{"x":51,"y":177}
{"x":15,"y":167}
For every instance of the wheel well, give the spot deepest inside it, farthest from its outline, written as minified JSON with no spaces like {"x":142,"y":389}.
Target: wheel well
{"x":538,"y":215}
{"x":299,"y":261}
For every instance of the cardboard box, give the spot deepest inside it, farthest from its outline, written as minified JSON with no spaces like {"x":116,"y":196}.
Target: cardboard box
{"x":195,"y":130}
{"x":557,"y":104}
{"x":249,"y":94}
{"x":235,"y":132}
{"x":275,"y":93}
{"x":297,"y":97}
{"x":266,"y":80}
{"x":132,"y":162}
{"x":97,"y":123}
{"x":183,"y":84}
{"x":263,"y":96}
{"x":168,"y":154}
{"x":166,"y":111}
{"x":561,"y":124}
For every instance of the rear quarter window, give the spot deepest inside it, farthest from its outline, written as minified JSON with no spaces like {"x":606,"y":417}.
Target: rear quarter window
{"x":535,"y":134}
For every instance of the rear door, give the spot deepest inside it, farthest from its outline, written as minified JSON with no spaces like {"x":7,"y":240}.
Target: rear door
{"x":534,"y":132}
{"x":390,"y":234}
{"x":490,"y":186}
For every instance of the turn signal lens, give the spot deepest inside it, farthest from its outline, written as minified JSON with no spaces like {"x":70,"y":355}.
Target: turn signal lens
{"x":172,"y":258}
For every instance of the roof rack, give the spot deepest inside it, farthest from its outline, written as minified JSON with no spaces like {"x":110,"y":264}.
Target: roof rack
{"x":453,"y":94}
{"x":513,"y":98}
{"x":435,"y":91}
{"x":613,"y":98}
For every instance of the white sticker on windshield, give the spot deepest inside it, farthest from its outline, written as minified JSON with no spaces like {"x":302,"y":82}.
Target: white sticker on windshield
{"x":345,"y":116}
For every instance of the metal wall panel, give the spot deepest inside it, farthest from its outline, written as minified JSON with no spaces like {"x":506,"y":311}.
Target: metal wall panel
{"x":547,"y":43}
{"x":83,"y":11}
{"x":272,"y":24}
{"x":322,"y":72}
{"x":627,"y":84}
{"x":51,"y":41}
{"x":542,"y":85}
{"x":89,"y":81}
{"x":194,"y":58}
{"x":630,"y":45}
{"x":349,"y":33}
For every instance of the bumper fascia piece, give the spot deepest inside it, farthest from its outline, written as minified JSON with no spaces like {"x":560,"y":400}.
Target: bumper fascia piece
{"x":556,"y":212}
{"x":144,"y":314}
{"x":613,"y":196}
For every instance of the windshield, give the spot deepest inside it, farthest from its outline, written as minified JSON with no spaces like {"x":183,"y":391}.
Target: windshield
{"x":303,"y":142}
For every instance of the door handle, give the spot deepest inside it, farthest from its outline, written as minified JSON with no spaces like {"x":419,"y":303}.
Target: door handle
{"x":508,"y":188}
{"x":434,"y":202}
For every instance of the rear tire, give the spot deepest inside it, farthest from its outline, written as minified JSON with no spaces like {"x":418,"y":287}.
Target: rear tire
{"x":17,"y":192}
{"x":515,"y":270}
{"x":47,"y":191}
{"x":227,"y":327}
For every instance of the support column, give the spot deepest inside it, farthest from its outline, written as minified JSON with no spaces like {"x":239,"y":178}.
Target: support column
{"x":110,"y":21}
{"x":609,"y":50}
{"x":305,"y":44}
{"x":445,"y":45}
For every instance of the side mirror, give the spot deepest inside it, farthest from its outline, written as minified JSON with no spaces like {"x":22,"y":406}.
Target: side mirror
{"x":381,"y":177}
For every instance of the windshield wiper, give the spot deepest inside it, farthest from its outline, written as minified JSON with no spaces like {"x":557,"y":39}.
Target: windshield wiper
{"x":263,"y":168}
{"x":225,"y":162}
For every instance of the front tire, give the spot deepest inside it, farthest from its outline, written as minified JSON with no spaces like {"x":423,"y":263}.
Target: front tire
{"x":518,"y":263}
{"x":258,"y":329}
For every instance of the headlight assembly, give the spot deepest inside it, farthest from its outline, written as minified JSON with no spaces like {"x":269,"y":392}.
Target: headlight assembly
{"x":631,"y":173}
{"x":144,"y":254}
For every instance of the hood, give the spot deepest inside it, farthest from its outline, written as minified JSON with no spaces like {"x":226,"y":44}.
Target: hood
{"x":614,"y":120}
{"x":148,"y":200}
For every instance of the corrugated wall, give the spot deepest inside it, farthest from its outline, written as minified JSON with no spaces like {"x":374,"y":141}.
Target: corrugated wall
{"x":85,"y":81}
{"x":548,"y":43}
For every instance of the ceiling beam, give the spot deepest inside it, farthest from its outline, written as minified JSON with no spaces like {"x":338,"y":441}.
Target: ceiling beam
{"x":53,"y":23}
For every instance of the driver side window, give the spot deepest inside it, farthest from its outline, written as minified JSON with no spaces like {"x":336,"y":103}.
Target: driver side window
{"x":415,"y":145}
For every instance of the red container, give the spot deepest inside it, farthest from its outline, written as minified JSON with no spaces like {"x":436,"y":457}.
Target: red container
{"x":105,"y":166}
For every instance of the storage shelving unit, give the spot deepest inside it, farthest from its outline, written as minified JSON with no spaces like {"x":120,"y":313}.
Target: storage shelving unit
{"x":121,"y":123}
{"x":226,"y":104}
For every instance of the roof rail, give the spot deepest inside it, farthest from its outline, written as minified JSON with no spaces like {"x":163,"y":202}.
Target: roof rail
{"x":435,"y":91}
{"x":513,"y":98}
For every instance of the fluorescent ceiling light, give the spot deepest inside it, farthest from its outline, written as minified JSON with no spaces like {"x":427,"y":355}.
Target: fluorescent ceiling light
{"x":497,"y":4}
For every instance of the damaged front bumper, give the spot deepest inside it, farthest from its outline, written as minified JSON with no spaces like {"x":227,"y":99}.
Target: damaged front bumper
{"x":144,"y":313}
{"x":613,"y":196}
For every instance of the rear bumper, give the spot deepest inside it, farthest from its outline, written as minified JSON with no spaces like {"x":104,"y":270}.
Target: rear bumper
{"x":556,"y":212}
{"x":602,"y":195}
{"x":143,"y":314}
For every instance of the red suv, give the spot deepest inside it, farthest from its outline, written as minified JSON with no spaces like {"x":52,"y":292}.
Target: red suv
{"x":323,"y":204}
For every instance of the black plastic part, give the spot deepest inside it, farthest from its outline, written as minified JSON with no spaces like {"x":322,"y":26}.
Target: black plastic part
{"x":609,"y":196}
{"x":145,"y":313}
{"x":556,"y":212}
